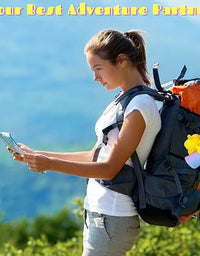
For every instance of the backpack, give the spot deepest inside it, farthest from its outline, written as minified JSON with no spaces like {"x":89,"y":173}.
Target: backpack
{"x":166,"y":192}
{"x":170,"y":186}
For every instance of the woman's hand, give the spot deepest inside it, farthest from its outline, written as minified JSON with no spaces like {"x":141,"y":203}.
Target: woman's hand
{"x":17,"y":156}
{"x":37,"y":162}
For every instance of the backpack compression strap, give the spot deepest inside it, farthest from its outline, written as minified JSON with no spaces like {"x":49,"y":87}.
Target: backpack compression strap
{"x":157,"y":78}
{"x":177,"y":81}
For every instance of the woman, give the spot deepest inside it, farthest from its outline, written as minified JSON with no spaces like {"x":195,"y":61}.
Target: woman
{"x":112,"y":224}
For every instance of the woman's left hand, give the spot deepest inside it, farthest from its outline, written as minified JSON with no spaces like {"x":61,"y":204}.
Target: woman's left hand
{"x":36,"y":162}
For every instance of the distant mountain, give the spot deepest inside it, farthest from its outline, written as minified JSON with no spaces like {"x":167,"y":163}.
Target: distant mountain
{"x":26,"y":194}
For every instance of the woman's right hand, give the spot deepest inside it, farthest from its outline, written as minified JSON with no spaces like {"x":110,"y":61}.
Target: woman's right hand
{"x":17,"y":156}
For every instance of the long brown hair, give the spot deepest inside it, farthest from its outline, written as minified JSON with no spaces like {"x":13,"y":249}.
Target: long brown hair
{"x":108,"y":44}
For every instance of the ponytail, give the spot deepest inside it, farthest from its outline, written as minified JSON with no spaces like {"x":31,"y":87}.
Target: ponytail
{"x":139,"y":56}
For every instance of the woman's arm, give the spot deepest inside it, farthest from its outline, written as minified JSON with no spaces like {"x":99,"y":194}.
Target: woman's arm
{"x":84,"y":156}
{"x":126,"y":143}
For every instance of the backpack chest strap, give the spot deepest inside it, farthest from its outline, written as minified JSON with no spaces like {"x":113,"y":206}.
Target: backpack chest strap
{"x":105,"y":140}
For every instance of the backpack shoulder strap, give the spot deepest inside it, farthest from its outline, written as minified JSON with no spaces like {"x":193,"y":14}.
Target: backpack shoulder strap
{"x":123,"y":102}
{"x":143,"y":89}
{"x":125,"y":98}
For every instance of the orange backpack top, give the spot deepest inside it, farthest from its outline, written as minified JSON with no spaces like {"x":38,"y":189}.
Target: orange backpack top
{"x":190,"y":95}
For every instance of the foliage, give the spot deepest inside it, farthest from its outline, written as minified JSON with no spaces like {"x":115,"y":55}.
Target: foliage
{"x":80,"y":210}
{"x":41,"y":247}
{"x":163,"y":241}
{"x":57,"y":228}
{"x":60,"y":227}
{"x":153,"y":240}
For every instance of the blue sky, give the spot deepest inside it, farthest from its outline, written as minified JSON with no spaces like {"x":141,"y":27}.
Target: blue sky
{"x":167,"y":37}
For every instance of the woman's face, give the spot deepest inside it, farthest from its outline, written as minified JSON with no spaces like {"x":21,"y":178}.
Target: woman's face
{"x":107,"y":74}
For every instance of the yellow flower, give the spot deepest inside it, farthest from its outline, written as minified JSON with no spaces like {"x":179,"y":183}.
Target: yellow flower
{"x":192,"y":144}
